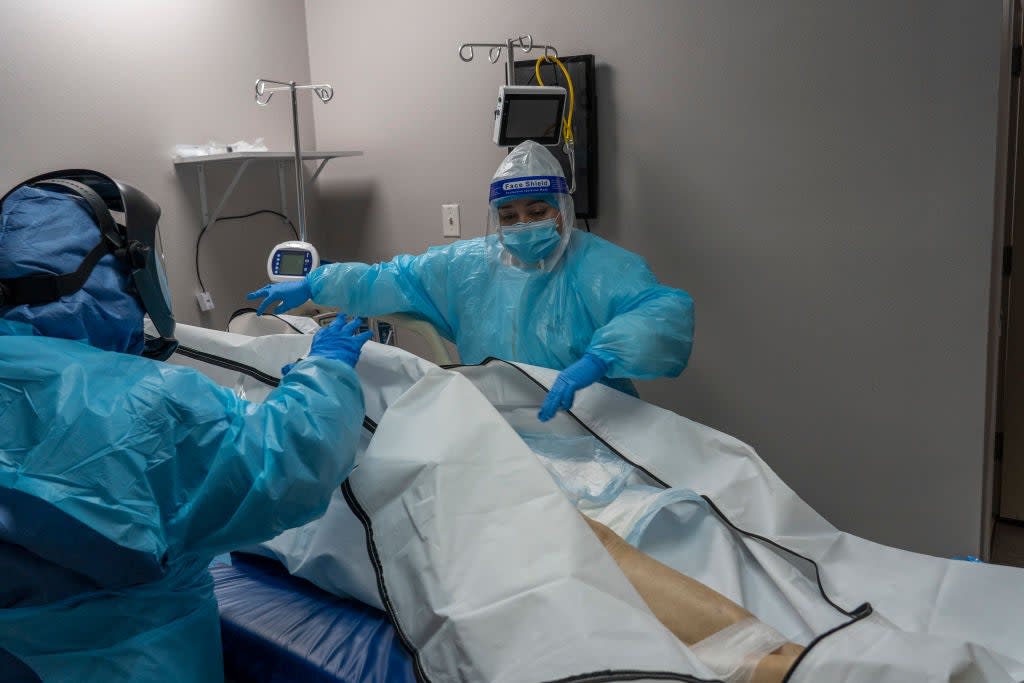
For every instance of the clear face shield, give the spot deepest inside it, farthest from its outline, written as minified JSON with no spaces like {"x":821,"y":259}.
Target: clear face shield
{"x":533,"y":218}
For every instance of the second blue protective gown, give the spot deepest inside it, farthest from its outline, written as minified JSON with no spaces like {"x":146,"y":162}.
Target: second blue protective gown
{"x":599,"y":299}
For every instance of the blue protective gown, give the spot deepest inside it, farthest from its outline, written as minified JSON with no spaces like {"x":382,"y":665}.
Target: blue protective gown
{"x":598,"y":299}
{"x":121,"y":477}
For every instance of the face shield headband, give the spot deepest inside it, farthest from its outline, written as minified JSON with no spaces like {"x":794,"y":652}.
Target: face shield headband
{"x":133,"y":242}
{"x":506,"y":190}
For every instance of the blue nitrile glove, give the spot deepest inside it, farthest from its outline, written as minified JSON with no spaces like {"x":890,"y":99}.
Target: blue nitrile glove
{"x":969,"y":558}
{"x":290,"y":294}
{"x":579,"y":375}
{"x":336,"y":341}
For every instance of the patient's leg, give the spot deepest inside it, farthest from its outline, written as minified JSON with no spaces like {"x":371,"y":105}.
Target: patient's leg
{"x":688,"y":608}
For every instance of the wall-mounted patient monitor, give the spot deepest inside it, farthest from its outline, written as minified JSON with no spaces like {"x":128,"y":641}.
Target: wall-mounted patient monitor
{"x":526,"y":112}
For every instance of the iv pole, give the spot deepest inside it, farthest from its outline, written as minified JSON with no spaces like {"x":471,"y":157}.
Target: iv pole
{"x":263,"y":94}
{"x":524,"y":43}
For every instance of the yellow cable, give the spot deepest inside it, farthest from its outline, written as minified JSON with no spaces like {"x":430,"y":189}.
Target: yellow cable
{"x":567,"y":121}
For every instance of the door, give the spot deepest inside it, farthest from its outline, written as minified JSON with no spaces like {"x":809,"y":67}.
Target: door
{"x":1011,"y":414}
{"x":1012,"y":495}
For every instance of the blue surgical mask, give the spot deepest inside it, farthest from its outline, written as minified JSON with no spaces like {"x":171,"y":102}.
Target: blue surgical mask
{"x":531,"y":242}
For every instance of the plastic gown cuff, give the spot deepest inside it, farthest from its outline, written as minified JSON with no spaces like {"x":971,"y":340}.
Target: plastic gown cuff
{"x":607,"y":357}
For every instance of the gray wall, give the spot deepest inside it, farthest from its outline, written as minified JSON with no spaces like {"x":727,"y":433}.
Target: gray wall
{"x":115,"y":85}
{"x":819,"y":175}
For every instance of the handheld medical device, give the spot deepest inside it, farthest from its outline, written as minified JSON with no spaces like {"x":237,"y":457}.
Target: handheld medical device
{"x":292,"y":260}
{"x":529,"y":112}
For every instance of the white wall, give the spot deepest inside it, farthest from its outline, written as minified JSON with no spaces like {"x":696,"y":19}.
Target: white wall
{"x":114,"y":85}
{"x":819,"y":175}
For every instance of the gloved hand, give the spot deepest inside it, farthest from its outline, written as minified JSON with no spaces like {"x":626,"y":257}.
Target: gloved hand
{"x":579,"y":375}
{"x":336,"y":341}
{"x":291,"y":294}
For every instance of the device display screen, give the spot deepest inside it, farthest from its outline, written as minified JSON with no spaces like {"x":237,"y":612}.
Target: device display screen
{"x":532,"y":117}
{"x":292,"y":263}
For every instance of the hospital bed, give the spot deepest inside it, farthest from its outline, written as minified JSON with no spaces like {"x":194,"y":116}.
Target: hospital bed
{"x":275,"y":627}
{"x":411,"y":334}
{"x":451,"y":552}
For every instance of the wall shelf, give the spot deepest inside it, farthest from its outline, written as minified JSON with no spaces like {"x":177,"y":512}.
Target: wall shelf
{"x":244,"y":160}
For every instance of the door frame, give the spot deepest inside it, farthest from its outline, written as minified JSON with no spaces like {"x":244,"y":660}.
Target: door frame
{"x":1009,"y":181}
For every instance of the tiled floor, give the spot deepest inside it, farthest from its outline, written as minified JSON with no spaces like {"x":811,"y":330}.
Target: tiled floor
{"x":1008,"y":544}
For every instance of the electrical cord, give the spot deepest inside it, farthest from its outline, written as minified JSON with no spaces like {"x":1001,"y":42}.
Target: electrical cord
{"x":568,"y":123}
{"x":533,"y":76}
{"x":199,"y":240}
{"x":568,"y":134}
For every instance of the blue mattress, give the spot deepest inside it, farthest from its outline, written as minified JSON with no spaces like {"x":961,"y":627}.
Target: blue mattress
{"x":278,"y":628}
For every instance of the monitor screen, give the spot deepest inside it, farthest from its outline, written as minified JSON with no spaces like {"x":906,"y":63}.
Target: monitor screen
{"x":532,"y":117}
{"x":292,"y":263}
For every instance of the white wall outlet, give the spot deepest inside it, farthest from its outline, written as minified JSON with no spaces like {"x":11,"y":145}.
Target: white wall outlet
{"x":450,"y":226}
{"x":205,"y":301}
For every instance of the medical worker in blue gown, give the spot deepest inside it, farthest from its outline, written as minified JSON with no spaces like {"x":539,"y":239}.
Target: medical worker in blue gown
{"x":533,"y":289}
{"x":121,"y":476}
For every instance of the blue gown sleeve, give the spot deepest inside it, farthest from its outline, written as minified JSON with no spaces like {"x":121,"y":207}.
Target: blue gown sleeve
{"x":243,"y":472}
{"x":648,"y":328}
{"x":417,"y":285}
